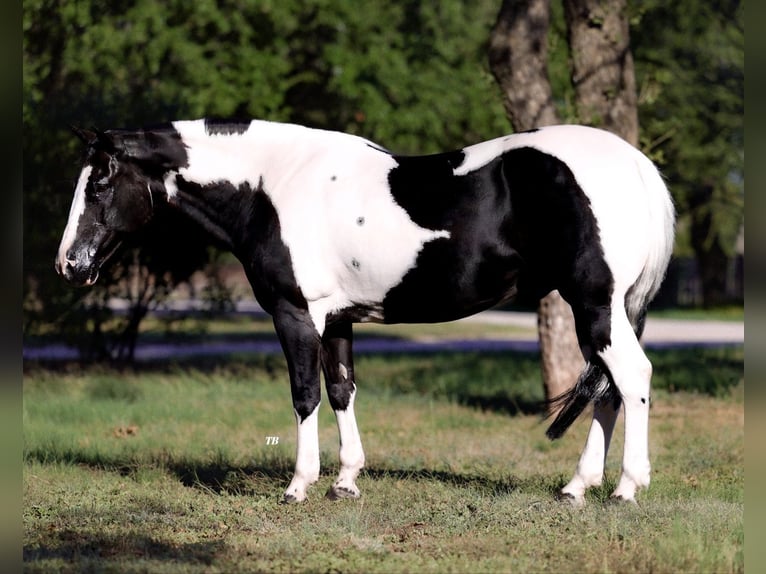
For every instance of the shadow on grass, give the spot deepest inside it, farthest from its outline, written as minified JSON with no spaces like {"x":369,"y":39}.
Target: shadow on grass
{"x":492,"y":486}
{"x":254,"y":479}
{"x":711,"y":371}
{"x":506,"y":382}
{"x":275,"y":473}
{"x":93,"y":551}
{"x":509,"y":404}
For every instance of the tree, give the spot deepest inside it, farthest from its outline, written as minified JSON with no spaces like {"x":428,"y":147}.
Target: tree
{"x":690,"y":70}
{"x":603,"y":81}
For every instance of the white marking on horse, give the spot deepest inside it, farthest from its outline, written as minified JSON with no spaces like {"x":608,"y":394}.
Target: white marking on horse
{"x":307,"y":457}
{"x":171,"y":188}
{"x":75,"y":212}
{"x":351,"y":452}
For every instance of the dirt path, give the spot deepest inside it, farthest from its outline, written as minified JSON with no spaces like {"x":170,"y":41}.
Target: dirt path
{"x":659,"y":333}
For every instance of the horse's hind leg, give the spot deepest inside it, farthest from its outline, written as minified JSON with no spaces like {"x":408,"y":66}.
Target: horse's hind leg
{"x":338,"y":366}
{"x":631,"y":372}
{"x":590,"y":468}
{"x":593,"y":331}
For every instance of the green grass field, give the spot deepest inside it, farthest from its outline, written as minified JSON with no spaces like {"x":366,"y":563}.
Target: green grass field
{"x":167,"y":469}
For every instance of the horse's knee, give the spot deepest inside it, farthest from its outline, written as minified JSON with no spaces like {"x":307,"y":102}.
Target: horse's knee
{"x":306,"y":399}
{"x":339,"y":381}
{"x":340,"y":394}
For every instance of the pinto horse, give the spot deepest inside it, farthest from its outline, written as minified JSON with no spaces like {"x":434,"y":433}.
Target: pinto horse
{"x":332,"y":229}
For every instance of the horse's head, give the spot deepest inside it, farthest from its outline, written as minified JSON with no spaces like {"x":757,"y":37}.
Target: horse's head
{"x":113,"y":197}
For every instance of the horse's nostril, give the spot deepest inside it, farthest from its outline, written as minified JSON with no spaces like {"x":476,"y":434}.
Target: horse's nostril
{"x":65,"y":265}
{"x":70,"y":262}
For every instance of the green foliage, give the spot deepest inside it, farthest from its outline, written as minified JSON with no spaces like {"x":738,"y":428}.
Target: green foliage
{"x":680,"y":370}
{"x":690,"y":72}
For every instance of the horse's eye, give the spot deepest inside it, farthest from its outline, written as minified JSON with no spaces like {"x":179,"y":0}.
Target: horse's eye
{"x":100,"y":186}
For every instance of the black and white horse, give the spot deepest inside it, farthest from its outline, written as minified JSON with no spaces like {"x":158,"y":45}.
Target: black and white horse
{"x":332,"y":229}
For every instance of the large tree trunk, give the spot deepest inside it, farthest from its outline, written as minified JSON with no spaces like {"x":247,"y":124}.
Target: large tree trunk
{"x":602,"y":65}
{"x":602,"y":75}
{"x":518,"y":58}
{"x":561,"y":358}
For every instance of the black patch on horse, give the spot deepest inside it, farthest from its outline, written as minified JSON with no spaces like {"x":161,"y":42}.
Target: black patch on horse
{"x":215,"y":126}
{"x":519,"y":223}
{"x":157,"y":149}
{"x":427,"y":188}
{"x":556,"y":233}
{"x":253,"y":233}
{"x":476,"y":267}
{"x":269,"y":265}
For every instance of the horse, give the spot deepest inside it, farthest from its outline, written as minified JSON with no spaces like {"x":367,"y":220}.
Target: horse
{"x":333,"y":229}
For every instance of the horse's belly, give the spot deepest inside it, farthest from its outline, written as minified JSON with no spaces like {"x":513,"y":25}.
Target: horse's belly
{"x":445,"y":285}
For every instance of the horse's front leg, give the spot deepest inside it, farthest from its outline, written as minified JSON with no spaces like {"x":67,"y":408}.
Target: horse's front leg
{"x":338,"y":366}
{"x":301,"y":344}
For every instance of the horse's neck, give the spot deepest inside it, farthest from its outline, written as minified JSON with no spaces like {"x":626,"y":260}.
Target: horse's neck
{"x":224,"y":171}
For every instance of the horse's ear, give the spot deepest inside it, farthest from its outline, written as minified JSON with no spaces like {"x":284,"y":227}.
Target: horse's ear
{"x":105,"y":141}
{"x":88,"y":137}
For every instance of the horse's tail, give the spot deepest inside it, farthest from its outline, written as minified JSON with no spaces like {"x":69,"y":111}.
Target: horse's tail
{"x":595,"y":383}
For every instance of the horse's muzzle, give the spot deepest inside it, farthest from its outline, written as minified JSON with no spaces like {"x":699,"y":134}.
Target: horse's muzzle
{"x":77,"y":274}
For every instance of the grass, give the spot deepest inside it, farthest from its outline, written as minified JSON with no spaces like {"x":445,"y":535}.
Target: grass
{"x":241,"y":326}
{"x":725,"y":313}
{"x":166,"y":469}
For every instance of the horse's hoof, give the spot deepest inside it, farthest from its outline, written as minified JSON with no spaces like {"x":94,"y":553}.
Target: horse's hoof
{"x":290,"y":499}
{"x":570,"y":499}
{"x":340,"y":492}
{"x":617,"y":499}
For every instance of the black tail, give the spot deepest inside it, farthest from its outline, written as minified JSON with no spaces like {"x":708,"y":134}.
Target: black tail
{"x":594,"y":385}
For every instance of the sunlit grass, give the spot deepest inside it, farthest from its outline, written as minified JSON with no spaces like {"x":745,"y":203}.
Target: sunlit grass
{"x":167,"y":469}
{"x":728,"y":313}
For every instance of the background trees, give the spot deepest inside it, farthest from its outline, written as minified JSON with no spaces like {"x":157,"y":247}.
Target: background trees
{"x":691,"y":78}
{"x":412,"y":75}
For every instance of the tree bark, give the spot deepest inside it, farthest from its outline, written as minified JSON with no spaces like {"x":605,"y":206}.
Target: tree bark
{"x":602,"y":65}
{"x":605,"y":95}
{"x":518,"y":58}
